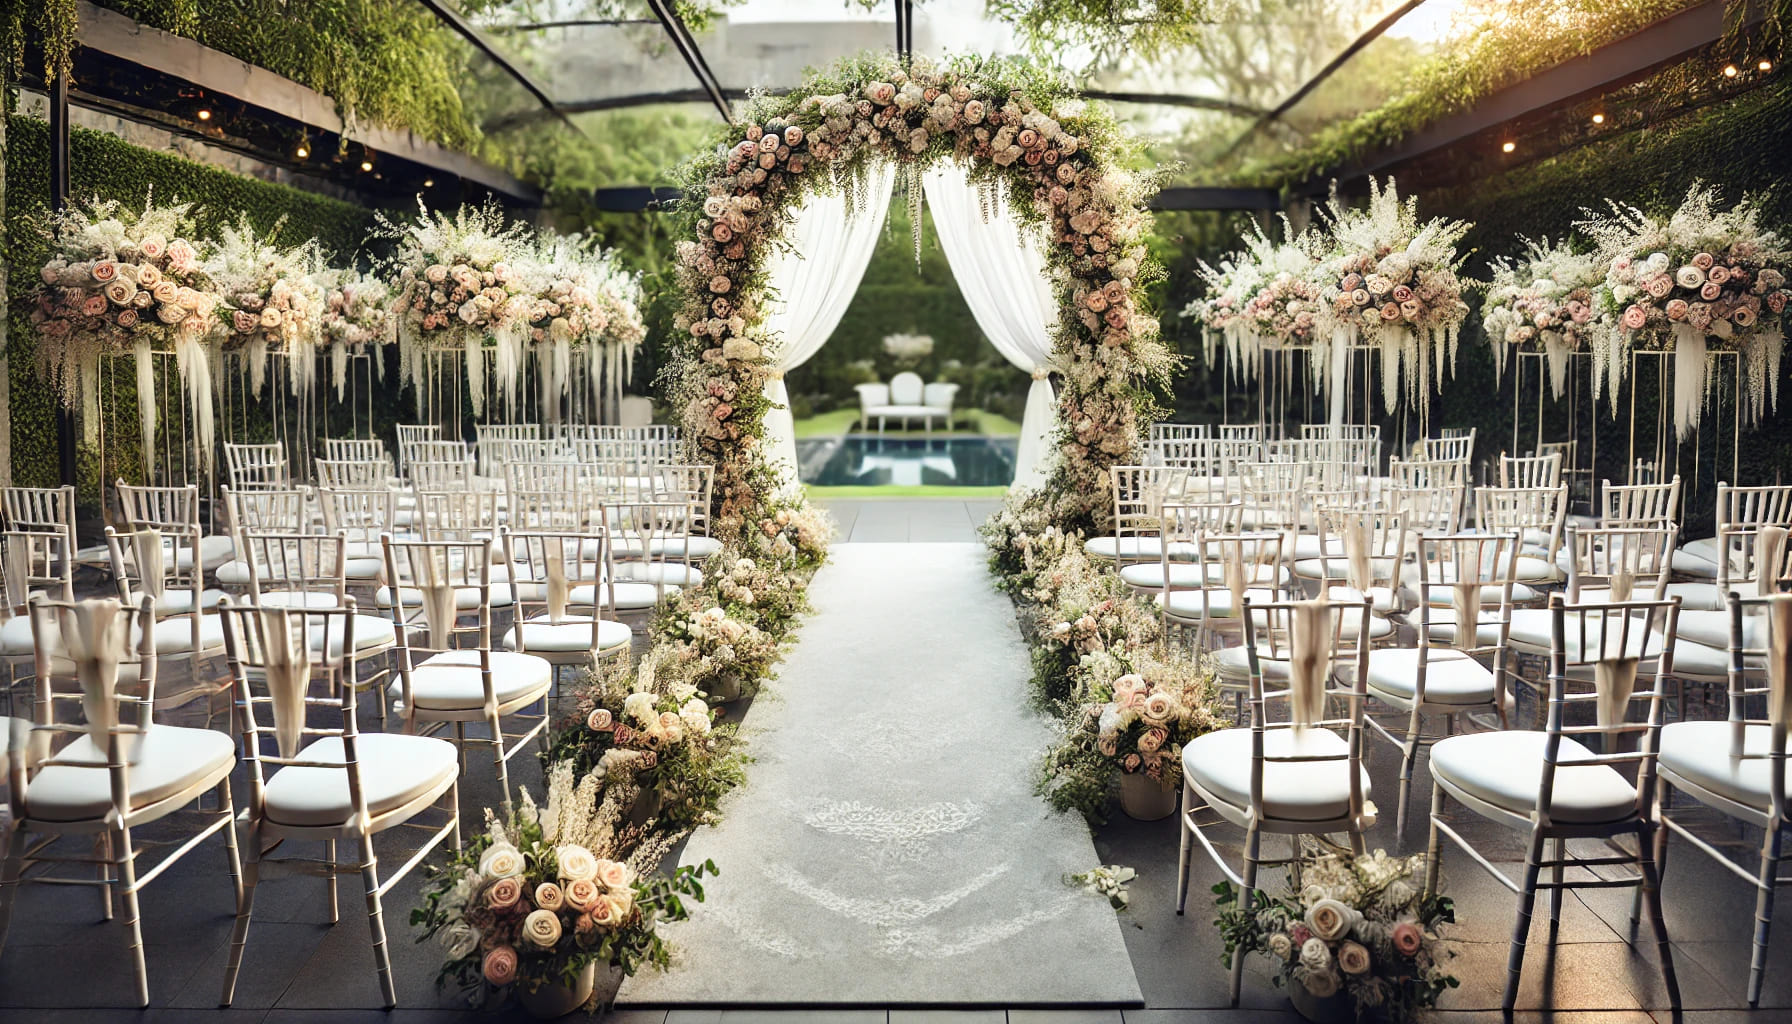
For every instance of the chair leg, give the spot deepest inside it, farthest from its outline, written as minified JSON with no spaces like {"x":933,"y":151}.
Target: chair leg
{"x":1652,"y":896}
{"x":102,"y":852}
{"x":1409,"y":756}
{"x":1558,"y":850}
{"x":330,"y":879}
{"x":1188,"y":846}
{"x":1521,"y":927}
{"x":498,"y":755}
{"x":1432,"y":852}
{"x":1770,"y":865}
{"x":133,"y":921}
{"x":10,"y":870}
{"x":382,"y":959}
{"x":1252,"y":842}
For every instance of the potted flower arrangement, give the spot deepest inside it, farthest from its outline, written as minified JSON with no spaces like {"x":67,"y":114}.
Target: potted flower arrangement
{"x":1391,"y":282}
{"x":125,"y":281}
{"x":724,"y":656}
{"x":356,"y":315}
{"x":458,"y":286}
{"x":271,"y":303}
{"x":1134,"y":730}
{"x":1359,"y":940}
{"x":578,"y":303}
{"x":661,"y":732}
{"x":1280,"y":304}
{"x":1701,"y":277}
{"x":559,"y":903}
{"x":1543,"y":299}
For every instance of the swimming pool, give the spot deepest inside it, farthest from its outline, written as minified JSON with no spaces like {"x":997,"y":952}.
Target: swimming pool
{"x":865,"y":460}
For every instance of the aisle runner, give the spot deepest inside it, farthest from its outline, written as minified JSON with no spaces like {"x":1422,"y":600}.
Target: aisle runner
{"x":887,"y":848}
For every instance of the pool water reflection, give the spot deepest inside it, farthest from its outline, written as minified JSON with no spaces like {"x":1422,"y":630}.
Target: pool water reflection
{"x":866,"y":460}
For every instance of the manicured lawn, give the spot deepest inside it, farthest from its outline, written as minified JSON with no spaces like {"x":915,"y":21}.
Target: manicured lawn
{"x":912,"y":491}
{"x":832,"y":424}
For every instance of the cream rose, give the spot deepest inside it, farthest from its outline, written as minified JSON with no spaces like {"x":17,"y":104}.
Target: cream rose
{"x":499,"y":966}
{"x":615,"y":874}
{"x":549,"y":896}
{"x":542,"y":929}
{"x":582,"y":893}
{"x":1353,"y":958}
{"x":501,"y":861}
{"x":1280,"y":945}
{"x":1331,"y":920}
{"x":1315,"y":955}
{"x":576,"y":862}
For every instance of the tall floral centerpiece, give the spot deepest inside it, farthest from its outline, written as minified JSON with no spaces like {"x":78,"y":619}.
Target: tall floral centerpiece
{"x":1391,"y":284}
{"x":123,"y":281}
{"x":1220,"y":310}
{"x":546,"y":898}
{"x":1543,"y":301}
{"x":1359,"y":936}
{"x":459,"y":287}
{"x":1703,"y":278}
{"x":271,"y":303}
{"x":581,"y":305}
{"x":356,"y":320}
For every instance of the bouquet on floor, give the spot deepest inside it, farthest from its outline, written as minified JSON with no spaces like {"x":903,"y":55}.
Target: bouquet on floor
{"x":356,"y":320}
{"x":272,"y":303}
{"x":1136,"y":725}
{"x":1703,"y":278}
{"x":459,"y":285}
{"x":1543,"y":301}
{"x":1360,"y":926}
{"x":1391,"y":283}
{"x":124,"y":281}
{"x":547,"y":893}
{"x":657,"y":730}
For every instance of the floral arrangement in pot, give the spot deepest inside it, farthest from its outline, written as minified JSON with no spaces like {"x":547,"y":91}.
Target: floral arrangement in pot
{"x":1284,"y":309}
{"x":122,"y":281}
{"x":1704,"y":277}
{"x":1360,"y":939}
{"x":548,"y":898}
{"x":658,"y":730}
{"x":1391,"y":282}
{"x":271,"y":303}
{"x":459,"y":285}
{"x":1543,"y":300}
{"x":1133,"y":730}
{"x":356,"y":318}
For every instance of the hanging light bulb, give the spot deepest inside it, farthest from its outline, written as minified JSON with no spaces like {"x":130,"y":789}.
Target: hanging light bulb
{"x":1765,"y":65}
{"x":302,"y":152}
{"x":1508,"y":147}
{"x":1598,"y":118}
{"x":366,"y":165}
{"x":204,"y":114}
{"x":1729,"y":71}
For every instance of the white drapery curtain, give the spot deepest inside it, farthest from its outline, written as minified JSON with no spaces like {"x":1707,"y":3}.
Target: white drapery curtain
{"x":812,"y":282}
{"x":1000,"y":269}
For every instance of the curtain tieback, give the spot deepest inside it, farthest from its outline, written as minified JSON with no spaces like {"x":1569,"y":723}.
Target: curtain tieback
{"x":774,"y":375}
{"x":1041,"y":372}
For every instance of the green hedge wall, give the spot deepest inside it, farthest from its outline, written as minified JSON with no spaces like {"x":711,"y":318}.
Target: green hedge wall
{"x":103,"y":165}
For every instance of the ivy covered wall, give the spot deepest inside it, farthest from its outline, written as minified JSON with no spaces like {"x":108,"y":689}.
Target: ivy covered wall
{"x":104,"y":166}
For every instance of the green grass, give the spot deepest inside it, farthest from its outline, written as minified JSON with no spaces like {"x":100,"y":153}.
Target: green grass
{"x":910,"y":491}
{"x":840,"y":421}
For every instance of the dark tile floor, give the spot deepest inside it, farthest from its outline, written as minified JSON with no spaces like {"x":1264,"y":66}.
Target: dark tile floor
{"x":62,"y":964}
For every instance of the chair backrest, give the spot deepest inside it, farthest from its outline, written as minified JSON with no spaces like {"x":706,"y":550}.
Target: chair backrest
{"x":125,"y":708}
{"x":939,"y":395}
{"x":356,"y":449}
{"x":160,"y":508}
{"x":543,"y":476}
{"x":1741,"y":512}
{"x":1339,"y":431}
{"x":257,"y":466}
{"x":683,"y":483}
{"x":286,"y":568}
{"x":648,"y":533}
{"x":906,"y":388}
{"x":283,"y":511}
{"x":1178,"y":431}
{"x":1609,"y":659}
{"x":1653,"y":504}
{"x":872,"y":396}
{"x":1619,"y":562}
{"x":354,"y":473}
{"x":1239,"y":432}
{"x":1460,"y":448}
{"x":433,"y":450}
{"x":1290,"y":632}
{"x":1527,"y":510}
{"x":284,"y":662}
{"x":1428,"y":509}
{"x":1461,"y":572}
{"x":360,"y":514}
{"x":146,"y":561}
{"x":427,"y":578}
{"x":457,"y":515}
{"x":1530,"y":470}
{"x":1139,"y":496}
{"x":1230,"y":562}
{"x":1184,"y":522}
{"x":40,"y":508}
{"x":553,"y":510}
{"x":33,"y":562}
{"x":412,"y":433}
{"x":1361,"y":548}
{"x":431,"y":475}
{"x":493,"y":443}
{"x":552,"y":569}
{"x":1761,"y":676}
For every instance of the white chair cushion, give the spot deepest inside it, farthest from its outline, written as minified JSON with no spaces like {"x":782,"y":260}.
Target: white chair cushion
{"x":450,"y":681}
{"x":370,"y":631}
{"x":694,"y":548}
{"x":175,"y":636}
{"x":1129,"y":548}
{"x":179,"y":602}
{"x":394,"y":770}
{"x":15,"y":637}
{"x":1531,"y":629}
{"x":1697,"y":661}
{"x":1382,"y":600}
{"x":1443,"y":626}
{"x":1505,"y":769}
{"x":1220,"y":764}
{"x":1316,"y":568}
{"x":1532,"y":569}
{"x":234,"y":573}
{"x":1698,"y":754}
{"x":164,"y":761}
{"x":1451,"y":677}
{"x":466,"y":599}
{"x":1185,"y":605}
{"x":313,"y":599}
{"x":1696,"y":596}
{"x":1233,"y":666}
{"x":215,"y":549}
{"x":1150,"y":575}
{"x":630,"y":596}
{"x":572,"y":633}
{"x":671,"y":573}
{"x":1698,"y":558}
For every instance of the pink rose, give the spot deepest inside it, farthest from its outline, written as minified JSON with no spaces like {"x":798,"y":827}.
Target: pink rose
{"x":1097,"y":300}
{"x":1390,"y":311}
{"x":1402,"y":294}
{"x":94,"y":305}
{"x":603,"y":913}
{"x":614,"y":874}
{"x":1777,"y":302}
{"x":1359,"y":296}
{"x":1676,"y":309}
{"x":505,"y":893}
{"x":1406,"y":936}
{"x":127,"y":318}
{"x":1659,"y":286}
{"x":245,"y":322}
{"x":436,"y":273}
{"x":1130,"y":764}
{"x":105,"y":270}
{"x":1107,"y":746}
{"x":1703,"y":261}
{"x":722,"y":232}
{"x":723,"y":410}
{"x":582,"y":893}
{"x":165,"y":291}
{"x":720,"y":284}
{"x":181,"y":253}
{"x":793,"y":136}
{"x":1718,"y":274}
{"x":151,"y":248}
{"x":1712,"y":288}
{"x":599,"y":720}
{"x":1028,"y":138}
{"x":973,"y":112}
{"x":500,"y":966}
{"x":1635,"y":318}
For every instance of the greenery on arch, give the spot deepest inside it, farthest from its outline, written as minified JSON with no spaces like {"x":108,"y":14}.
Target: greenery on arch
{"x":1023,"y":134}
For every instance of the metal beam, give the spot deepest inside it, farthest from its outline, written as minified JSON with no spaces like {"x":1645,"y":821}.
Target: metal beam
{"x":1217,"y":199}
{"x":1173,"y":100}
{"x":466,"y":30}
{"x":1373,"y":33}
{"x":1613,"y":66}
{"x":680,"y":34}
{"x":65,"y":417}
{"x":542,"y":26}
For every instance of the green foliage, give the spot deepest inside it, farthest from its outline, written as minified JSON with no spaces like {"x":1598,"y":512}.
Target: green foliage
{"x":104,"y":166}
{"x":1110,"y":27}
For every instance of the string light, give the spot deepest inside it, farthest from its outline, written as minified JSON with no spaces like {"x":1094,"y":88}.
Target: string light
{"x":1598,"y":118}
{"x":1508,"y":147}
{"x":1765,"y":65}
{"x":204,"y":114}
{"x":302,"y":152}
{"x":1729,"y":71}
{"x":367,"y":165}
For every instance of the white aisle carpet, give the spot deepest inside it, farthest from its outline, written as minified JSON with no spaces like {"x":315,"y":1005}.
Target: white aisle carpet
{"x":887,"y":849}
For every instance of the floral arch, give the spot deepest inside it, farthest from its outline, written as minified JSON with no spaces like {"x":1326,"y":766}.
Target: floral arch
{"x":1024,"y":135}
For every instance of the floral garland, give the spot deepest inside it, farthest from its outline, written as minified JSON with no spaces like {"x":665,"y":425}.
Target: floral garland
{"x":1702,"y":277}
{"x":1543,"y":300}
{"x":1391,"y":282}
{"x":1014,"y":126}
{"x":271,"y":304}
{"x":120,"y":280}
{"x":357,"y":315}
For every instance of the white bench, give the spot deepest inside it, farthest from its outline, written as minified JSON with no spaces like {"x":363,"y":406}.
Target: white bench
{"x":906,"y":398}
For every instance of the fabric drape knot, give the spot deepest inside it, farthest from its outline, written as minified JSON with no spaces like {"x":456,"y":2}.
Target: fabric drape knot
{"x":1770,"y":559}
{"x":1465,"y":603}
{"x":554,"y":554}
{"x":1358,"y":569}
{"x":288,"y":671}
{"x":1779,"y":662}
{"x":146,"y":551}
{"x":1309,"y":646}
{"x":439,"y":612}
{"x":94,"y":633}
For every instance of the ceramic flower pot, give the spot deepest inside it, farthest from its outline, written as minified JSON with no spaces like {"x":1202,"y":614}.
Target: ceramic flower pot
{"x":1337,"y":1008}
{"x":556,"y":1000}
{"x":1143,"y":799}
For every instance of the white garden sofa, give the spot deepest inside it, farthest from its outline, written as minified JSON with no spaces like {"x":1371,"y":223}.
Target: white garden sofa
{"x":906,"y":398}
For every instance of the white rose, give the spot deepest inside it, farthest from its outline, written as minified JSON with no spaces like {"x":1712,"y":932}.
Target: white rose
{"x":1353,"y":958}
{"x":542,"y":929}
{"x":1280,"y":945}
{"x":575,"y":862}
{"x":1331,"y":920}
{"x":459,"y":939}
{"x":501,"y":861}
{"x":1315,"y":955}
